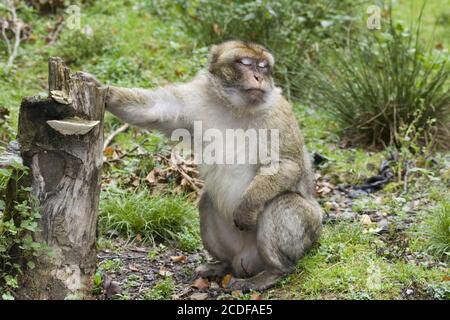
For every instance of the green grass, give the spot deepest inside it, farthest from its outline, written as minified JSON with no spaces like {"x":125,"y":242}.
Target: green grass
{"x":436,"y":18}
{"x":162,"y":290}
{"x":344,"y":165}
{"x":113,"y":265}
{"x":345,"y":265}
{"x":154,"y":218}
{"x":387,"y":88}
{"x":438,"y":229}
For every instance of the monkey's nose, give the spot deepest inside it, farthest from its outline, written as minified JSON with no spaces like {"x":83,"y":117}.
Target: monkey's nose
{"x":258,"y":77}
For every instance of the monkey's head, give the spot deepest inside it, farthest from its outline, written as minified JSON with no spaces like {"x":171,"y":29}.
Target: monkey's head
{"x":243,"y":70}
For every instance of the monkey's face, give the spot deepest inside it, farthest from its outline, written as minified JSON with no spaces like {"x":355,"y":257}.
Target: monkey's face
{"x":244,"y":71}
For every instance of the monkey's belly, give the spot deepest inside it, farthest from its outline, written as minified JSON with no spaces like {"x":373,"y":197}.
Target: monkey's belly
{"x":226,"y":184}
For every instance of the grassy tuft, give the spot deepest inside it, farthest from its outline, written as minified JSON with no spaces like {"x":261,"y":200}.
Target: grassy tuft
{"x":162,"y":290}
{"x":155,"y":218}
{"x":386,"y":86}
{"x":438,"y":229}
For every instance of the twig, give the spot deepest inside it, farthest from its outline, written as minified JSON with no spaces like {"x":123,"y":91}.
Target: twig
{"x":12,"y":52}
{"x":188,"y":178}
{"x":5,"y":37}
{"x":405,"y":178}
{"x":126,"y":154}
{"x":111,"y":137}
{"x":56,"y":31}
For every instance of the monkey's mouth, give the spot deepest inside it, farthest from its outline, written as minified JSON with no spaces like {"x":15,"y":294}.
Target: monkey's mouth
{"x":255,"y":91}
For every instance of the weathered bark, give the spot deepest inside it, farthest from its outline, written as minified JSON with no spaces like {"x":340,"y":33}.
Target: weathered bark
{"x":61,"y":140}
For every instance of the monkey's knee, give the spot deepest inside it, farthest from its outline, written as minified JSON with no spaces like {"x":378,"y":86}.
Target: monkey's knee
{"x":287,"y":228}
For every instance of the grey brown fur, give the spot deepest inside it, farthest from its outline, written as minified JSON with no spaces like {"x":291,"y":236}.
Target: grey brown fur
{"x":254,"y":225}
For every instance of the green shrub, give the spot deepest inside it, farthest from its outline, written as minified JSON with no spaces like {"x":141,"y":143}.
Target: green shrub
{"x":78,"y":45}
{"x":438,"y":229}
{"x":155,"y":218}
{"x":293,"y":30}
{"x":387,"y":85}
{"x":18,"y":221}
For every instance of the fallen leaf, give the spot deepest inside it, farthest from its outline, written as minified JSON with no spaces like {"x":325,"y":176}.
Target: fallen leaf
{"x":236,"y":293}
{"x":199,"y":296}
{"x":214,"y":285}
{"x":151,"y":178}
{"x":365,"y":219}
{"x":165,"y":272}
{"x":108,"y":151}
{"x":226,"y":280}
{"x":255,"y":296}
{"x":200,"y":284}
{"x":182,"y":259}
{"x":133,"y":267}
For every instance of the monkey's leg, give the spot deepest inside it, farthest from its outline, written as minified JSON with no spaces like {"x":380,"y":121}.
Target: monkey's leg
{"x":286,"y":229}
{"x":219,"y":238}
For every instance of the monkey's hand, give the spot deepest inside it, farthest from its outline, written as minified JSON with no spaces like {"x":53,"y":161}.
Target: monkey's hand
{"x":245,"y":216}
{"x":89,"y":78}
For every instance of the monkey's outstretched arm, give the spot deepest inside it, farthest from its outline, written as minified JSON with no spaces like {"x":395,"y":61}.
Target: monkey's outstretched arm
{"x":262,"y":189}
{"x":162,"y":109}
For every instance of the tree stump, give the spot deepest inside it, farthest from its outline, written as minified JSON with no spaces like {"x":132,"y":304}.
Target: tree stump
{"x":61,"y":141}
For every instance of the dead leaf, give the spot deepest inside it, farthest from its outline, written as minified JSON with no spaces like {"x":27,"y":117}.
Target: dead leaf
{"x":199,"y":296}
{"x":236,"y":293}
{"x":365,"y":219}
{"x":201,"y":284}
{"x":255,"y":296}
{"x":176,"y":259}
{"x":133,"y":267}
{"x":226,"y":280}
{"x":3,"y":113}
{"x":108,"y":151}
{"x":151,"y":177}
{"x":214,"y":285}
{"x":165,"y":272}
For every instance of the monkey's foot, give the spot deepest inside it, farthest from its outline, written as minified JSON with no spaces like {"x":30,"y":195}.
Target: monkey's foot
{"x":213,"y":270}
{"x":262,"y":281}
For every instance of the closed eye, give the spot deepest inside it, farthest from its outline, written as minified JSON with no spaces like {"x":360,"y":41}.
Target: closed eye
{"x":262,"y":64}
{"x":246,"y":61}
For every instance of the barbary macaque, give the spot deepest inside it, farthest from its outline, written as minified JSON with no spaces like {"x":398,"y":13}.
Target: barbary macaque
{"x":256,"y":225}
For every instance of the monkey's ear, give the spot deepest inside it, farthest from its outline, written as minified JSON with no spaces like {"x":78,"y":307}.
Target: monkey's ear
{"x":271,"y":59}
{"x":213,"y":55}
